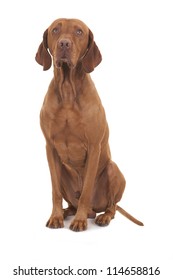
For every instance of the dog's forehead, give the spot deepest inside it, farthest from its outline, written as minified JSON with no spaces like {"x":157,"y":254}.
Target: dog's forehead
{"x":69,"y":23}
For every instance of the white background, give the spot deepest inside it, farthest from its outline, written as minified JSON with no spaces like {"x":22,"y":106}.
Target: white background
{"x":135,"y":83}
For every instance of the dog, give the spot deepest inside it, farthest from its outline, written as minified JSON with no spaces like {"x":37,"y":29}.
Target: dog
{"x":74,"y":125}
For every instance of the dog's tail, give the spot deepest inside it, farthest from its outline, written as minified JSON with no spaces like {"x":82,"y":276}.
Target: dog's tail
{"x":128,"y":216}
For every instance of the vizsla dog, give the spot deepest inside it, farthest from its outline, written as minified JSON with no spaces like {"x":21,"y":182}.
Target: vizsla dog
{"x":75,"y":128}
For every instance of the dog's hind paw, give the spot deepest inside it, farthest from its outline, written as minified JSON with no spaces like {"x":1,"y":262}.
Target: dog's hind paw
{"x":103,"y":219}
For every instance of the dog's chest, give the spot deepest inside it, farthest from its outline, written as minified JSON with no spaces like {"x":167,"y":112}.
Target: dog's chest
{"x":67,"y":133}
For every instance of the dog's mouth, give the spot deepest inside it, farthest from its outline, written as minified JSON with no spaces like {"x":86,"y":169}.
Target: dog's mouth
{"x":60,"y":62}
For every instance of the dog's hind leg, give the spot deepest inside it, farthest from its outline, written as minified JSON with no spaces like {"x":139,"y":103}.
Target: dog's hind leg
{"x":69,"y":211}
{"x":105,"y":218}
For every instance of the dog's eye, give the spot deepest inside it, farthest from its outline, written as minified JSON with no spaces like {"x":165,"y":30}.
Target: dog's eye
{"x":79,"y":32}
{"x":55,"y":30}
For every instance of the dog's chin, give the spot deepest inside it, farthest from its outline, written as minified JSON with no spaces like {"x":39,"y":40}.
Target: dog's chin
{"x":64,"y":62}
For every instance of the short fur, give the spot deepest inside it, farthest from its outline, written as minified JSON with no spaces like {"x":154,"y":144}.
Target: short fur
{"x":74,"y":124}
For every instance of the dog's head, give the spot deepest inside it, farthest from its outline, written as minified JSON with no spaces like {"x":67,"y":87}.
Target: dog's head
{"x":68,"y":41}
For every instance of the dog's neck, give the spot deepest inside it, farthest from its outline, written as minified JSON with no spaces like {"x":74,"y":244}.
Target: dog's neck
{"x":66,"y":82}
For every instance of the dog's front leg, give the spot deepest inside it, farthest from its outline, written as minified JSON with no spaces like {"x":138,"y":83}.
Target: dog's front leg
{"x":56,"y":218}
{"x":84,"y":206}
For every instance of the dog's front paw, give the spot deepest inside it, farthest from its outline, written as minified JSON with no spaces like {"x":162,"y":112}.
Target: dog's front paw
{"x":78,"y":225}
{"x":55,"y":222}
{"x":103,"y":219}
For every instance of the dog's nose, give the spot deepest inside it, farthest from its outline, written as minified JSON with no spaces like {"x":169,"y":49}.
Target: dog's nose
{"x":65,"y":44}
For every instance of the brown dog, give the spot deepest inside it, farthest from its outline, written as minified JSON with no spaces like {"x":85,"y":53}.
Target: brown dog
{"x":75,"y":128}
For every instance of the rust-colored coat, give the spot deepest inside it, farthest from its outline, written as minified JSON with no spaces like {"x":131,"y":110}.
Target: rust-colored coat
{"x":75,"y":128}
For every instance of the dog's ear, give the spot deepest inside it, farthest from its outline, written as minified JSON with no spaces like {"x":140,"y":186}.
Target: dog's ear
{"x":93,"y":56}
{"x":43,"y":56}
